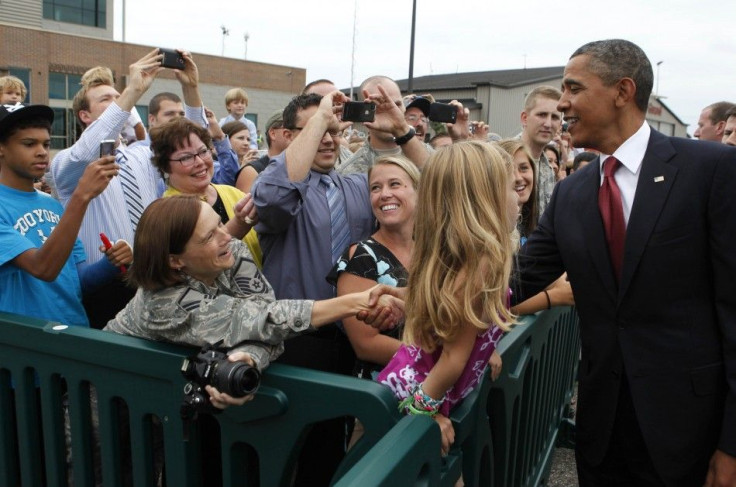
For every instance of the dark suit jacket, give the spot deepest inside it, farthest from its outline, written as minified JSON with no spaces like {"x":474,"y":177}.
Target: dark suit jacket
{"x":670,"y":325}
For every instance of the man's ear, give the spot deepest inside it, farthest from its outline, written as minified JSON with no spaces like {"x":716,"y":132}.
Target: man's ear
{"x":626,"y":91}
{"x":720,"y":127}
{"x":523,"y":118}
{"x":85,"y":117}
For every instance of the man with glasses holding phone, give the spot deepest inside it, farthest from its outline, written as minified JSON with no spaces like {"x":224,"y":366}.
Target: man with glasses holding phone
{"x":308,"y":214}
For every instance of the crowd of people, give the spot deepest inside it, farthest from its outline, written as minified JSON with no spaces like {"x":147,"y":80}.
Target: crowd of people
{"x":401,"y":254}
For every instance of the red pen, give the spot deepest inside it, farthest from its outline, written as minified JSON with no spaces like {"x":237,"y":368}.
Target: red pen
{"x":108,"y":245}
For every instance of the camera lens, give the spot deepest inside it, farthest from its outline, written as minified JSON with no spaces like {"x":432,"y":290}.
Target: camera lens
{"x":236,"y":378}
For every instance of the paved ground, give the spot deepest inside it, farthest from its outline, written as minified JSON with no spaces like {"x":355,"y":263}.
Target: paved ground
{"x":564,"y":473}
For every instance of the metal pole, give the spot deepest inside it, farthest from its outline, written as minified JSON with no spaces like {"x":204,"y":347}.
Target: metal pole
{"x":352,"y":62}
{"x":123,"y":21}
{"x":658,"y":65}
{"x":410,"y":87}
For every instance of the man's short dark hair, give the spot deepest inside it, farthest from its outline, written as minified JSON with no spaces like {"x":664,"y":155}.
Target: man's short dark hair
{"x":297,"y":104}
{"x":719,"y":112}
{"x":731,"y":112}
{"x":29,"y":123}
{"x":583,"y":157}
{"x":315,"y":83}
{"x":155,"y":104}
{"x":614,"y":59}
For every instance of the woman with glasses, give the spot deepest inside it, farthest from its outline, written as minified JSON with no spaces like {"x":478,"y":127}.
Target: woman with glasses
{"x":181,"y":151}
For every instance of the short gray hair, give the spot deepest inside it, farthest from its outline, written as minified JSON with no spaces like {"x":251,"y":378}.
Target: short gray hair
{"x":614,"y":59}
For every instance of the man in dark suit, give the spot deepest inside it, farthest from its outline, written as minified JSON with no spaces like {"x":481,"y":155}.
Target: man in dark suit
{"x":648,"y":245}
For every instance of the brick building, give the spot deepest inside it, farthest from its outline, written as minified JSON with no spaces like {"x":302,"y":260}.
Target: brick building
{"x":49,"y":45}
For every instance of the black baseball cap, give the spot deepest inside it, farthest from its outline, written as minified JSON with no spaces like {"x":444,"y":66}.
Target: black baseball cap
{"x":10,"y":115}
{"x":419,"y":102}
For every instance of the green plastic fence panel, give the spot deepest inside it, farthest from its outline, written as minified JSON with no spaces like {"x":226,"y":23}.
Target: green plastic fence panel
{"x":529,"y":400}
{"x":139,"y":376}
{"x":275,"y":430}
{"x":408,"y":455}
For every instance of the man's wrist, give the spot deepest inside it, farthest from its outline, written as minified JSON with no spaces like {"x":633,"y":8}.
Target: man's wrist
{"x":406,"y":137}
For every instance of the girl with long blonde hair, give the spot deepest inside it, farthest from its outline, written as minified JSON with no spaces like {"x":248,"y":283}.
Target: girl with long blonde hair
{"x":457,"y":297}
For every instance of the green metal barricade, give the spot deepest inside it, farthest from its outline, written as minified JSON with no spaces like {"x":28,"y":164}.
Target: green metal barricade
{"x":526,"y":407}
{"x":137,"y":382}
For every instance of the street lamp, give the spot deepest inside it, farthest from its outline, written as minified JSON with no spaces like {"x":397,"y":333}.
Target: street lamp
{"x":225,"y":33}
{"x":658,"y":65}
{"x":246,"y":36}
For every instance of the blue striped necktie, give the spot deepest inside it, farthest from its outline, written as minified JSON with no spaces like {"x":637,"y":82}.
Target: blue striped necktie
{"x":339,"y":231}
{"x":131,"y":191}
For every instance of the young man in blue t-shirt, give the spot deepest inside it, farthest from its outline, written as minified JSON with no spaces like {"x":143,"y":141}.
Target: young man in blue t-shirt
{"x":39,"y":249}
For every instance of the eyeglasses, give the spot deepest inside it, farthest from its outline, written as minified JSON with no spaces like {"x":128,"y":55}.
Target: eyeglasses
{"x":416,"y":118}
{"x":333,"y":133}
{"x":188,"y":159}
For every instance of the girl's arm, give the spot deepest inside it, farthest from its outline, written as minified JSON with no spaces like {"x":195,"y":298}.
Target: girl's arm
{"x":368,"y":343}
{"x":454,"y":357}
{"x":559,"y":292}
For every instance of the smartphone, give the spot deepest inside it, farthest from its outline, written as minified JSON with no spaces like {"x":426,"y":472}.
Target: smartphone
{"x":172,"y":59}
{"x":442,"y":112}
{"x":107,"y":148}
{"x":358,"y":111}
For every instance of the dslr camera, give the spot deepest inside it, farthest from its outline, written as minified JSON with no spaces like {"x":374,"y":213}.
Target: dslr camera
{"x":211,"y":367}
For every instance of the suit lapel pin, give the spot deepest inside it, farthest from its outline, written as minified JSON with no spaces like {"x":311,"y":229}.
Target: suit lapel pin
{"x":659,"y":179}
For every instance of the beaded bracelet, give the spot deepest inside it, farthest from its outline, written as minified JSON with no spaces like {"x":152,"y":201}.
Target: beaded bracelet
{"x":420,"y":402}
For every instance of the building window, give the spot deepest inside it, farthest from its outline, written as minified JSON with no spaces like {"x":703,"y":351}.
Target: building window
{"x":62,"y":88}
{"x":83,"y":12}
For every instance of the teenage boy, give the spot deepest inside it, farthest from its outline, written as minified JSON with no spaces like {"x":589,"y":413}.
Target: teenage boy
{"x":39,"y":249}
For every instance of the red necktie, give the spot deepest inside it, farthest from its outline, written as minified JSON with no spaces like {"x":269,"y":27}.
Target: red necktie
{"x":612,"y":212}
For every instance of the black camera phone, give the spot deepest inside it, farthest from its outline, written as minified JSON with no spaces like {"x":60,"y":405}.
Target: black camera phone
{"x":442,"y":112}
{"x":172,"y":59}
{"x":358,"y":111}
{"x":107,"y":148}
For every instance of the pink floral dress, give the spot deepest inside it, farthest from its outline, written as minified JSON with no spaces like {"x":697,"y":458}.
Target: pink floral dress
{"x":410,"y":365}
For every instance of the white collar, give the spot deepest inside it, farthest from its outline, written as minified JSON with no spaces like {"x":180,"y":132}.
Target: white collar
{"x":631,"y":152}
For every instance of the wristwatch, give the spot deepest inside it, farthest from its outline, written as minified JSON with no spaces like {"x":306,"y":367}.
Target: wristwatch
{"x":405,"y":138}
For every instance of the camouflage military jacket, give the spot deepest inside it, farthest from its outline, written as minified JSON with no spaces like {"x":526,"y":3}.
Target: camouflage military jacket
{"x":239,"y":309}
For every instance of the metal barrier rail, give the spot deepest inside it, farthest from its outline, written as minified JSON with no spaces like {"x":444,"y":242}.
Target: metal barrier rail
{"x":140,"y":379}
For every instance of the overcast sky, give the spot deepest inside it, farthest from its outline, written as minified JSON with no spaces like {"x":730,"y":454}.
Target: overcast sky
{"x":695,"y":40}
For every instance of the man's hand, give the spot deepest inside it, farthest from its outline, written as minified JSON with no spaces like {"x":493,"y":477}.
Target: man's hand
{"x":479,"y":130}
{"x":459,"y":130}
{"x":143,"y":72}
{"x":389,"y":117}
{"x":119,"y":254}
{"x":212,"y":126}
{"x":96,"y":177}
{"x":221,"y":400}
{"x":722,"y":470}
{"x":330,"y":108}
{"x":189,"y":76}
